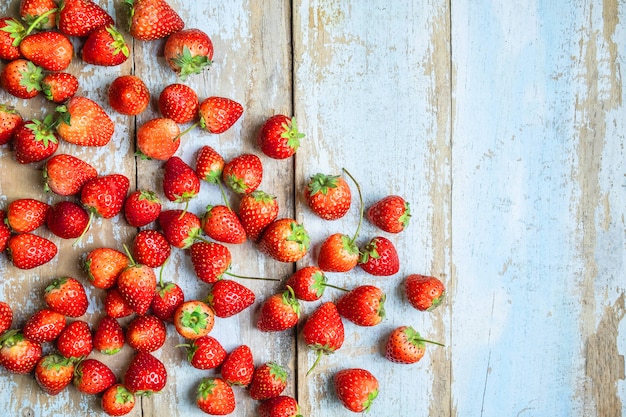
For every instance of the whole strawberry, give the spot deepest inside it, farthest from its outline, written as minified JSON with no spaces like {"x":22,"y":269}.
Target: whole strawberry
{"x":44,"y":326}
{"x":214,"y":396}
{"x":115,"y":305}
{"x":205,"y":352}
{"x":75,"y":341}
{"x":356,"y":388}
{"x":108,"y":337}
{"x":328,"y":196}
{"x":285,"y":240}
{"x":117,"y":400}
{"x":66,"y":174}
{"x":141,"y":208}
{"x":308,"y":283}
{"x":35,"y":140}
{"x":80,"y":17}
{"x":424,"y":292}
{"x":27,"y":251}
{"x":128,"y":95}
{"x":153,"y":19}
{"x":363,"y":305}
{"x":256,"y":211}
{"x":391,"y":214}
{"x":21,"y":78}
{"x":167,"y":298}
{"x":179,"y":102}
{"x":323,"y":331}
{"x":6,"y":317}
{"x":269,"y":380}
{"x":210,"y":260}
{"x":104,"y":196}
{"x":281,"y":406}
{"x":218,"y":114}
{"x":150,"y":248}
{"x":92,"y":376}
{"x":228,"y":297}
{"x":188,"y":51}
{"x":10,"y":120}
{"x":379,"y":257}
{"x":53,"y":373}
{"x":59,"y":87}
{"x":37,"y":48}
{"x":180,"y":182}
{"x":95,"y":127}
{"x":158,"y":138}
{"x":181,"y":228}
{"x":146,"y":333}
{"x":209,"y":165}
{"x":103,"y":265}
{"x":279,"y":137}
{"x":67,"y":296}
{"x":279,"y":312}
{"x":26,"y":214}
{"x":238,"y":366}
{"x":405,"y":345}
{"x":67,"y":219}
{"x":18,"y":355}
{"x":194,"y":319}
{"x":243,"y":174}
{"x":145,"y":374}
{"x":222,"y":224}
{"x":105,"y":46}
{"x":137,"y":283}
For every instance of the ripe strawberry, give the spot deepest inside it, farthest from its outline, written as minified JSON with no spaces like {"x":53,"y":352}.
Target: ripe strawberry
{"x":256,"y":211}
{"x":28,"y":251}
{"x":214,"y":396}
{"x":137,"y":284}
{"x":243,"y":174}
{"x":279,"y":312}
{"x":308,"y":283}
{"x":228,"y":297}
{"x":356,"y":388}
{"x":363,"y":306}
{"x":35,"y":140}
{"x":67,"y":219}
{"x":323,"y":331}
{"x":205,"y":352}
{"x":145,"y":374}
{"x":26,"y":214}
{"x":406,"y":345}
{"x":18,"y":354}
{"x":41,"y":13}
{"x":269,"y":380}
{"x":210,"y":260}
{"x":424,"y":292}
{"x":167,"y":298}
{"x":108,"y":337}
{"x":52,"y":51}
{"x":181,"y":228}
{"x":53,"y":373}
{"x":281,"y":406}
{"x":93,"y":377}
{"x":145,"y":333}
{"x":279,"y":137}
{"x":11,"y":34}
{"x":141,"y":208}
{"x":153,"y":19}
{"x":66,"y":174}
{"x":115,"y":305}
{"x":104,"y":195}
{"x":59,"y":87}
{"x":188,"y":51}
{"x":328,"y":196}
{"x":379,"y":257}
{"x":10,"y":120}
{"x":180,"y":182}
{"x":6,"y":317}
{"x":80,"y":17}
{"x":117,"y":400}
{"x":179,"y":102}
{"x":103,"y":265}
{"x":21,"y":78}
{"x":75,"y":341}
{"x":285,"y":240}
{"x":67,"y":296}
{"x":128,"y":95}
{"x":220,"y":223}
{"x":95,"y":127}
{"x":391,"y":214}
{"x":5,"y":233}
{"x":158,"y":138}
{"x":218,"y":114}
{"x":44,"y":326}
{"x":338,"y":253}
{"x":194,"y":319}
{"x":150,"y":248}
{"x":105,"y":46}
{"x":209,"y":165}
{"x":238,"y":366}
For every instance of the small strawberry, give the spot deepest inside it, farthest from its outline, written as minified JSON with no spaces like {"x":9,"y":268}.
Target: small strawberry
{"x":52,"y":51}
{"x":108,"y":338}
{"x":93,"y":377}
{"x":188,"y":51}
{"x":44,"y":326}
{"x":75,"y":341}
{"x":379,"y":257}
{"x":238,"y":366}
{"x":105,"y":46}
{"x":214,"y":396}
{"x":151,"y":248}
{"x":129,"y":95}
{"x":194,"y":319}
{"x":117,"y":400}
{"x":137,"y":284}
{"x":115,"y":305}
{"x":363,"y":305}
{"x":35,"y":140}
{"x":269,"y":380}
{"x":205,"y":352}
{"x":54,"y":373}
{"x":18,"y":354}
{"x":424,"y":292}
{"x":180,"y":182}
{"x":5,"y":232}
{"x":6,"y":317}
{"x":21,"y":78}
{"x":95,"y":127}
{"x":66,"y":174}
{"x":323,"y":331}
{"x":285,"y":240}
{"x":67,"y":296}
{"x":26,"y":214}
{"x":210,"y":260}
{"x":356,"y":388}
{"x":391,"y":214}
{"x":41,"y":14}
{"x":209,"y":165}
{"x":328,"y":196}
{"x":27,"y":251}
{"x":179,"y":102}
{"x":405,"y":345}
{"x":308,"y":283}
{"x":218,"y":114}
{"x":228,"y":297}
{"x":281,"y":406}
{"x":11,"y":34}
{"x":279,"y":312}
{"x":59,"y":87}
{"x":145,"y":374}
{"x":80,"y":17}
{"x":104,"y":196}
{"x":67,"y":219}
{"x":103,"y":265}
{"x":145,"y":333}
{"x":167,"y":298}
{"x":279,"y":137}
{"x":220,"y":223}
{"x":141,"y":208}
{"x":256,"y":211}
{"x":10,"y":120}
{"x":153,"y":19}
{"x":243,"y":174}
{"x":181,"y":228}
{"x":158,"y":139}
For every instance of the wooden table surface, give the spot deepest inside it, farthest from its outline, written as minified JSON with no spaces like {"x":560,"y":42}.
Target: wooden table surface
{"x":504,"y":126}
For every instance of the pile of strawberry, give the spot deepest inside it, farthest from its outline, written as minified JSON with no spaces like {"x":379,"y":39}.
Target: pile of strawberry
{"x":133,"y":289}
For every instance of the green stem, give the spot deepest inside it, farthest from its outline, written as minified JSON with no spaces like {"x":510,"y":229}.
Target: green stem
{"x":255,"y":278}
{"x":433,"y":342}
{"x":219,"y":184}
{"x":39,"y":19}
{"x":317,"y":360}
{"x":189,"y":129}
{"x":77,"y":241}
{"x":336,"y":287}
{"x":358,"y":187}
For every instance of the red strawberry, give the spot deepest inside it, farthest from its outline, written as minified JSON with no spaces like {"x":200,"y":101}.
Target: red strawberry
{"x":145,"y":374}
{"x":279,"y":312}
{"x":158,"y":139}
{"x":80,"y":17}
{"x":117,"y":400}
{"x":21,"y":78}
{"x":67,"y":296}
{"x":256,"y":211}
{"x":338,"y":253}
{"x":95,"y":128}
{"x":105,"y":46}
{"x":153,"y":19}
{"x":167,"y":298}
{"x":308,"y":283}
{"x":220,"y":223}
{"x":181,"y":228}
{"x":194,"y":319}
{"x":285,"y":240}
{"x":67,"y":219}
{"x":66,"y":174}
{"x":44,"y":326}
{"x":6,"y":317}
{"x":218,"y":114}
{"x":243,"y":174}
{"x":35,"y":140}
{"x":10,"y":120}
{"x":75,"y":341}
{"x":179,"y":102}
{"x":93,"y":377}
{"x":379,"y":257}
{"x":28,"y":251}
{"x":128,"y":95}
{"x":104,"y":195}
{"x":214,"y":396}
{"x":26,"y":214}
{"x":137,"y":284}
{"x":103,"y":265}
{"x":115,"y":305}
{"x":180,"y":182}
{"x":210,"y":260}
{"x":424,"y":292}
{"x":5,"y":232}
{"x":328,"y":196}
{"x":279,"y":137}
{"x":53,"y":373}
{"x":11,"y":34}
{"x":205,"y":352}
{"x":209,"y":165}
{"x":269,"y":380}
{"x":188,"y":51}
{"x":238,"y":366}
{"x":406,"y":345}
{"x":323,"y":331}
{"x":281,"y":406}
{"x":59,"y":87}
{"x":108,"y":337}
{"x":391,"y":214}
{"x":145,"y":333}
{"x":363,"y":306}
{"x":228,"y":297}
{"x":41,"y":13}
{"x":52,"y":51}
{"x":356,"y":388}
{"x":141,"y":208}
{"x":151,"y":248}
{"x":18,"y":355}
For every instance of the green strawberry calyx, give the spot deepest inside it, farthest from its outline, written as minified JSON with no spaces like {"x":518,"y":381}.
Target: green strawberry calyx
{"x":300,"y":236}
{"x":291,"y":133}
{"x":191,"y":64}
{"x":195,"y":320}
{"x":413,"y":337}
{"x":321,"y":183}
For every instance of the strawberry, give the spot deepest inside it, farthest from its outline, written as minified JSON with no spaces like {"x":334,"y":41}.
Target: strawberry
{"x":205,"y":352}
{"x":279,"y":312}
{"x":21,"y":78}
{"x":210,"y":260}
{"x":41,"y":14}
{"x":194,"y":319}
{"x":424,"y":292}
{"x":137,"y":284}
{"x":181,"y":228}
{"x":167,"y":297}
{"x":363,"y":306}
{"x":281,"y":406}
{"x":11,"y":34}
{"x":153,"y":19}
{"x":117,"y":400}
{"x":356,"y":388}
{"x":115,"y":305}
{"x":323,"y":331}
{"x":53,"y":373}
{"x":405,"y":345}
{"x":220,"y":223}
{"x":238,"y":366}
{"x":105,"y":46}
{"x":218,"y":114}
{"x":128,"y":95}
{"x":67,"y":296}
{"x":80,"y":17}
{"x":10,"y":120}
{"x":285,"y":240}
{"x":67,"y":219}
{"x":391,"y":214}
{"x":6,"y":317}
{"x":269,"y":380}
{"x":28,"y":251}
{"x":308,"y":283}
{"x":18,"y":355}
{"x":35,"y":140}
{"x":209,"y":165}
{"x":108,"y":338}
{"x":188,"y":51}
{"x":379,"y":257}
{"x":179,"y":102}
{"x":59,"y":87}
{"x":44,"y":326}
{"x":151,"y":248}
{"x":256,"y":211}
{"x":95,"y":128}
{"x":66,"y":174}
{"x":5,"y":233}
{"x":158,"y":139}
{"x":180,"y":182}
{"x":104,"y":196}
{"x":75,"y":341}
{"x":145,"y":333}
{"x":243,"y":174}
{"x":103,"y":265}
{"x":93,"y":377}
{"x":328,"y":196}
{"x":141,"y":208}
{"x":279,"y":137}
{"x":228,"y":297}
{"x":52,"y":51}
{"x":214,"y":396}
{"x":145,"y":374}
{"x":26,"y":214}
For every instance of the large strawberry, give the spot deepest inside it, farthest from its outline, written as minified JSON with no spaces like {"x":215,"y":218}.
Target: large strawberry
{"x":158,"y":138}
{"x":103,"y":265}
{"x":153,"y":19}
{"x":269,"y":380}
{"x":26,"y":214}
{"x":309,"y":283}
{"x":194,"y":319}
{"x":18,"y":355}
{"x":391,"y":214}
{"x":104,"y":196}
{"x":181,"y":228}
{"x":129,"y":95}
{"x":167,"y":297}
{"x":81,"y":17}
{"x":142,"y":207}
{"x":44,"y":326}
{"x":108,"y":338}
{"x":215,"y":397}
{"x":59,"y":87}
{"x":179,"y":102}
{"x":35,"y":140}
{"x":145,"y":333}
{"x":356,"y":388}
{"x":10,"y":120}
{"x":150,"y":247}
{"x":222,"y":224}
{"x":75,"y":341}
{"x":83,"y":122}
{"x":285,"y":240}
{"x":27,"y":251}
{"x":210,"y":260}
{"x":66,"y":295}
{"x":328,"y":196}
{"x":218,"y":114}
{"x":117,"y":400}
{"x":145,"y":374}
{"x":279,"y":312}
{"x":205,"y":352}
{"x":279,"y":137}
{"x":137,"y":284}
{"x":243,"y":174}
{"x":180,"y":182}
{"x":424,"y":292}
{"x":52,"y":51}
{"x":66,"y":174}
{"x":105,"y":46}
{"x":323,"y":331}
{"x":92,"y":376}
{"x":406,"y":345}
{"x":256,"y":211}
{"x":40,"y":14}
{"x":228,"y":297}
{"x":188,"y":51}
{"x":11,"y":33}
{"x":379,"y":257}
{"x":363,"y":305}
{"x":238,"y":366}
{"x":281,"y":406}
{"x":67,"y":219}
{"x":54,"y":373}
{"x":21,"y":78}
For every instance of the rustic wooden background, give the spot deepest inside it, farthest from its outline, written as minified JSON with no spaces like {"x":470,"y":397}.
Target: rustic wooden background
{"x":502,"y":123}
